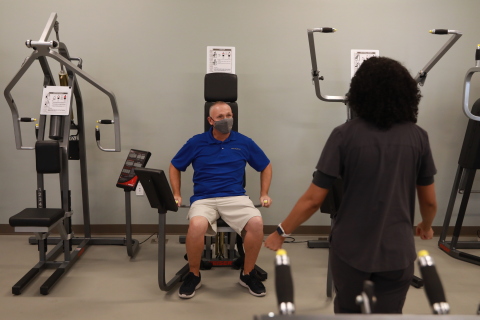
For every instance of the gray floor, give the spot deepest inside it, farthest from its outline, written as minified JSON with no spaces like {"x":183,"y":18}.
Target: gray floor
{"x":106,"y":284}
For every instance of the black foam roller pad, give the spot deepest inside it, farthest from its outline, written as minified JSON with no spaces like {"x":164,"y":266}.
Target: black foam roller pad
{"x":284,"y":284}
{"x":433,"y":285}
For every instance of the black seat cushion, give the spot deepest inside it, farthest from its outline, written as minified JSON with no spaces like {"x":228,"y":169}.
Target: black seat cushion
{"x":36,"y":217}
{"x":221,"y":223}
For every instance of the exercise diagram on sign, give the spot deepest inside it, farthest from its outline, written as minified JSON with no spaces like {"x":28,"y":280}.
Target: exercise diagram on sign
{"x":358,"y":56}
{"x":56,"y":101}
{"x":220,"y":59}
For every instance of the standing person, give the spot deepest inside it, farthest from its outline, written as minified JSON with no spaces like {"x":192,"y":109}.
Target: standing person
{"x":219,"y":157}
{"x":383,"y":157}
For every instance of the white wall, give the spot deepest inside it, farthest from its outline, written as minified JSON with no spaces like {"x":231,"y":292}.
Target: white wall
{"x":152,"y":55}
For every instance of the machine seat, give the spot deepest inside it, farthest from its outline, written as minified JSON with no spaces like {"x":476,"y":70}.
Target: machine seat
{"x":221,"y":223}
{"x":37,"y":217}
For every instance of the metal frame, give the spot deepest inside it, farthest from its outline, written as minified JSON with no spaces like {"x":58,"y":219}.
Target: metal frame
{"x":419,"y":78}
{"x":462,"y":184}
{"x":466,"y":86}
{"x":43,"y":48}
{"x":59,"y":52}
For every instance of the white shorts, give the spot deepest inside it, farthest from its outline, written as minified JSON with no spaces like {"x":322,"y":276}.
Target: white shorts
{"x":235,"y":211}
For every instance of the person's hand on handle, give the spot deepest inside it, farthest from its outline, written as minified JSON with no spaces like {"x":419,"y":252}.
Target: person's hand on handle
{"x":178,"y":200}
{"x":265,"y":201}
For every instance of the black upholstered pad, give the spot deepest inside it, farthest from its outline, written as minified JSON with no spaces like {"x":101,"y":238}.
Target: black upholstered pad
{"x":221,"y":87}
{"x":36,"y":217}
{"x":48,"y":156}
{"x":222,"y":223}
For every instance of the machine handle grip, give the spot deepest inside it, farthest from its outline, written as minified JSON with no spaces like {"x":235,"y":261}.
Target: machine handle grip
{"x":106,"y":121}
{"x":25,"y":119}
{"x":477,"y":53}
{"x":323,"y":30}
{"x":444,"y":31}
{"x":97,"y":133}
{"x":439,"y":31}
{"x":188,"y":206}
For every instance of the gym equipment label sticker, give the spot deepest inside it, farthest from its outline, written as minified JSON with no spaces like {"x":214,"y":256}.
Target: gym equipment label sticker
{"x":360,"y":55}
{"x":220,"y":59}
{"x":56,"y":101}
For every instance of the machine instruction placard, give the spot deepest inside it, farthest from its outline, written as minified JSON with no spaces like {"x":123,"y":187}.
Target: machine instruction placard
{"x":358,"y":56}
{"x":220,"y":59}
{"x":56,"y":101}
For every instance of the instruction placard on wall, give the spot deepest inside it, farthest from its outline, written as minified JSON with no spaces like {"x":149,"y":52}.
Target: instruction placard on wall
{"x":56,"y":101}
{"x":220,"y":59}
{"x":360,"y":55}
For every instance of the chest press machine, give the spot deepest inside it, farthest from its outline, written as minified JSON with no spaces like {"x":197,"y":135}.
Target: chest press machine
{"x":52,"y":157}
{"x":218,"y":87}
{"x":334,"y":197}
{"x":468,"y":164}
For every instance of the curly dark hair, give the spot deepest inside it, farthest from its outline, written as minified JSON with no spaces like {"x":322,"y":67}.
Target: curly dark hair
{"x":383,"y":93}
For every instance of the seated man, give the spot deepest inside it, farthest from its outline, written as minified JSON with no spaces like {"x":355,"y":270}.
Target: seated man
{"x":219,"y":157}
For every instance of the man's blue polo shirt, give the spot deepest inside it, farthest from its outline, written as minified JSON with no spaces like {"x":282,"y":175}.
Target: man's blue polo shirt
{"x":219,"y":166}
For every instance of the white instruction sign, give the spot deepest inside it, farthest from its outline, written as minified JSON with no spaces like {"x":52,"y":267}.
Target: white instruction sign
{"x":56,"y":101}
{"x":220,"y":59}
{"x":360,"y":55}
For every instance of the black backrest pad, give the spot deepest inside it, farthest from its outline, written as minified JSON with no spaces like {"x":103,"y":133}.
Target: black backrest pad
{"x":48,"y":156}
{"x":221,"y":87}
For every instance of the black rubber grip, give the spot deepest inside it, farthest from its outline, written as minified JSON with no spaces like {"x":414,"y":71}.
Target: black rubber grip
{"x":283,"y":284}
{"x":440,"y":31}
{"x":105,"y":121}
{"x":433,"y":285}
{"x":26,"y":119}
{"x":477,"y":54}
{"x":97,"y":134}
{"x":327,"y":30}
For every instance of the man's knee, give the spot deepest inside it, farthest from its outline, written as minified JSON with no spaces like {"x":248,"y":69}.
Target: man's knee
{"x":198,"y":225}
{"x":254,"y":225}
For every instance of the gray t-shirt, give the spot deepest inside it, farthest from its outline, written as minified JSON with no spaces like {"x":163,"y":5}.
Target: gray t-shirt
{"x":372,"y":230}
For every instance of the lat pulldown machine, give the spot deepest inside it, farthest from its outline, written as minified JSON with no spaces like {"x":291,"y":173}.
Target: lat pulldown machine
{"x":468,"y":164}
{"x":53,"y":155}
{"x":334,"y":197}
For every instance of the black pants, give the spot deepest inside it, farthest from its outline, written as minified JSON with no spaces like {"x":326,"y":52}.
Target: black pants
{"x":390,"y":287}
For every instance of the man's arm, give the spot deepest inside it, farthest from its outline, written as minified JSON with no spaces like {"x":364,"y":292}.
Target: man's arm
{"x":428,"y":209}
{"x":175,"y":182}
{"x":265,"y":180}
{"x":305,"y":207}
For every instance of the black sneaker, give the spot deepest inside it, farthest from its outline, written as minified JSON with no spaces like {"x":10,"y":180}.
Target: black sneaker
{"x":254,"y":285}
{"x":189,"y":285}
